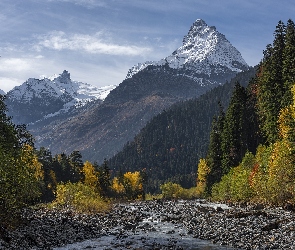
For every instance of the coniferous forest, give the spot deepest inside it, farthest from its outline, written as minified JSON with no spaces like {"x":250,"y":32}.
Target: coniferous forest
{"x":235,"y":142}
{"x":169,"y":146}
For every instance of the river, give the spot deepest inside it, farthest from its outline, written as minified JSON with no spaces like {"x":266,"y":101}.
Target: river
{"x":151,"y":233}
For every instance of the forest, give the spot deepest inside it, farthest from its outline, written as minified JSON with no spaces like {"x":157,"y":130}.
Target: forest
{"x":240,"y":150}
{"x":251,"y":149}
{"x":30,"y":176}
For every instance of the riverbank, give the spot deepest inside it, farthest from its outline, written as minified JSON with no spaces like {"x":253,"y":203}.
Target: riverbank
{"x":249,"y":227}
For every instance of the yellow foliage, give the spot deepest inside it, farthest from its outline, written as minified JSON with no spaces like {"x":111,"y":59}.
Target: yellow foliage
{"x":30,"y":159}
{"x":81,"y":197}
{"x":117,"y":186}
{"x":130,"y":186}
{"x":171,"y":190}
{"x":134,"y":180}
{"x":203,"y":171}
{"x":281,"y":182}
{"x":21,"y":175}
{"x":90,"y":175}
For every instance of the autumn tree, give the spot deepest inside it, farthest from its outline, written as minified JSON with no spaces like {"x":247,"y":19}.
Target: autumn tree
{"x":129,"y":185}
{"x":21,"y":173}
{"x":202,"y":179}
{"x":133,"y":185}
{"x":90,"y":175}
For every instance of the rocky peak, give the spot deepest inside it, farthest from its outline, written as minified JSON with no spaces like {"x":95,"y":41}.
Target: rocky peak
{"x":64,"y":77}
{"x":204,"y":51}
{"x":198,"y":27}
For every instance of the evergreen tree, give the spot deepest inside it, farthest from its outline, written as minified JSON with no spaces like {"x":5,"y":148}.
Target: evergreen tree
{"x":104,"y":178}
{"x":254,"y":135}
{"x":289,"y":63}
{"x":45,"y":158}
{"x":271,"y":89}
{"x":214,"y":155}
{"x":234,"y":135}
{"x":76,"y":163}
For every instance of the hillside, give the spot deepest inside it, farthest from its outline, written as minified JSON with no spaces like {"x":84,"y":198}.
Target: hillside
{"x":170,"y":145}
{"x":205,"y":60}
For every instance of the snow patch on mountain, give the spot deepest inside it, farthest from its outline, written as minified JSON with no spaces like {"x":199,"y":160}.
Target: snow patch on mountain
{"x":203,"y":48}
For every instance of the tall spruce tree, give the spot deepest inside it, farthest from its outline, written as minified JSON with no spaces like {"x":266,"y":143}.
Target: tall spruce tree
{"x":254,"y":135}
{"x":214,"y":155}
{"x":289,"y":63}
{"x":234,"y":135}
{"x":270,"y":91}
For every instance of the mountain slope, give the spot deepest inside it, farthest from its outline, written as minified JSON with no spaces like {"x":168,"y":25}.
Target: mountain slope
{"x":170,"y":145}
{"x":100,"y":129}
{"x":2,"y":92}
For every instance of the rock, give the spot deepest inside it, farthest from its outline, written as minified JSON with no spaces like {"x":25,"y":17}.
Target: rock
{"x":289,"y":207}
{"x":219,"y":209}
{"x":258,"y":207}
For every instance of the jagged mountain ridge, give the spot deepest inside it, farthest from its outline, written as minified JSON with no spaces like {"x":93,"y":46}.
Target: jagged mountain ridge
{"x":204,"y":52}
{"x":100,"y":129}
{"x":38,"y":99}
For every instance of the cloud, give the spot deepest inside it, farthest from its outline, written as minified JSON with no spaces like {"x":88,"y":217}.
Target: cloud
{"x":7,"y":83}
{"x":85,"y":3}
{"x":59,"y":40}
{"x":14,"y":64}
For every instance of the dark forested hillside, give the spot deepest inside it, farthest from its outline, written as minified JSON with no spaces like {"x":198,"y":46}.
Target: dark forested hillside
{"x":170,"y":145}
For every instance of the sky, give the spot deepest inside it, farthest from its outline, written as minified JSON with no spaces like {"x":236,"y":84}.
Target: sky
{"x":98,"y":41}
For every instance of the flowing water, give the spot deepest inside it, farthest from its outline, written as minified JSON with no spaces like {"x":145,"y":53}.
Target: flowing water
{"x":151,"y":233}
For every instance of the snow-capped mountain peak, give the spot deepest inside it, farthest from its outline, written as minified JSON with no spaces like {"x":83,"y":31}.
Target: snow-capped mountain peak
{"x":203,"y":49}
{"x":2,"y":92}
{"x":59,"y":93}
{"x":59,"y":87}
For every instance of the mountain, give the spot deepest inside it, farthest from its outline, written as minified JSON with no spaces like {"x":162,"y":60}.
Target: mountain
{"x":101,"y":128}
{"x":2,"y":92}
{"x":169,"y":147}
{"x":205,"y":53}
{"x":38,"y":99}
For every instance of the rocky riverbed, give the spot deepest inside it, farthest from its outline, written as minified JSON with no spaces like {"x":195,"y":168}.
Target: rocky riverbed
{"x":194,"y":224}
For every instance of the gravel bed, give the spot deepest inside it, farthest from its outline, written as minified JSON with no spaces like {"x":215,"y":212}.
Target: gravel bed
{"x":234,"y":227}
